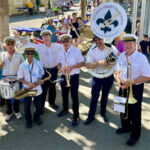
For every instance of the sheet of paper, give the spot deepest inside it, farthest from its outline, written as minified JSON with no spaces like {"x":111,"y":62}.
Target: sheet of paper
{"x":119,"y":108}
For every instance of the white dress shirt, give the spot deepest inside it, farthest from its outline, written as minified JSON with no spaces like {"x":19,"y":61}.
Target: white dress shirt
{"x":96,"y":54}
{"x":48,"y":55}
{"x":72,"y":57}
{"x":11,"y":68}
{"x":24,"y":74}
{"x":139,"y":66}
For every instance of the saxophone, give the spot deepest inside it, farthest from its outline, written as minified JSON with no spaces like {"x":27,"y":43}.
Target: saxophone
{"x":29,"y":91}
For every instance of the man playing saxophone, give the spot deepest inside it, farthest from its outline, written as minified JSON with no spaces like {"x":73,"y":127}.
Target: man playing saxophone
{"x":30,"y":72}
{"x":140,"y":73}
{"x":70,"y":60}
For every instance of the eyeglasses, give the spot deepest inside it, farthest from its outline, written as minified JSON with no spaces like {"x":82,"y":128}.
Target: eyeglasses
{"x":11,"y":43}
{"x":66,"y":41}
{"x":29,"y":53}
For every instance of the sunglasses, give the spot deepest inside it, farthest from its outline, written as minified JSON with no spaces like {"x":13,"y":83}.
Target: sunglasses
{"x":66,"y":41}
{"x":29,"y":53}
{"x":10,"y":43}
{"x":95,"y":40}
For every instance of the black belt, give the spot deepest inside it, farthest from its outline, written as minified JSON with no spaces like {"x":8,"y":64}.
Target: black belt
{"x":49,"y":69}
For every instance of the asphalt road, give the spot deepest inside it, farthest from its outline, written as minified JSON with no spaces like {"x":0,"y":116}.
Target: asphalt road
{"x":57,"y":133}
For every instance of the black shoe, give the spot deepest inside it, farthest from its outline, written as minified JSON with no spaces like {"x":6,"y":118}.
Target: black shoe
{"x":62,"y":113}
{"x":38,"y":122}
{"x":88,"y":121}
{"x":28,"y":125}
{"x":75,"y":122}
{"x":131,"y":141}
{"x":104,"y":117}
{"x":54,"y":106}
{"x":122,"y":130}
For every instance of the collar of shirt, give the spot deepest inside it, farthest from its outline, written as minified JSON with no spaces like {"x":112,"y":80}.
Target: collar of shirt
{"x":132,"y":55}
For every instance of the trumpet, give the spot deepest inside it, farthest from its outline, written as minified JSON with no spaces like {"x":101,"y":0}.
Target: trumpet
{"x":67,"y":75}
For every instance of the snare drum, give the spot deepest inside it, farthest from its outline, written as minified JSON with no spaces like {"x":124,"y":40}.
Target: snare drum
{"x":8,"y":86}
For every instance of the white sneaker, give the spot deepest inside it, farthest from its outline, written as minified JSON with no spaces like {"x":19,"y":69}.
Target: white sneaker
{"x":18,"y":115}
{"x":8,"y":117}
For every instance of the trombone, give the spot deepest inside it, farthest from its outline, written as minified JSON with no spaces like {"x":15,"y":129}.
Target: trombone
{"x":131,"y":99}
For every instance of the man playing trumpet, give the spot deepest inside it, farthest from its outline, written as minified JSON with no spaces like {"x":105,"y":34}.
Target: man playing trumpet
{"x":140,"y":73}
{"x":70,"y":60}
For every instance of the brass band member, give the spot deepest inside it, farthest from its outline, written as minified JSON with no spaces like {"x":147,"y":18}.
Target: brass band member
{"x":10,"y":62}
{"x":96,"y":58}
{"x":48,"y":53}
{"x":140,"y":70}
{"x":70,"y":61}
{"x":29,"y":73}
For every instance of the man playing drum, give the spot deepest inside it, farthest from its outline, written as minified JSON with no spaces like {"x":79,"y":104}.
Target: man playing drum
{"x":96,"y":59}
{"x":10,"y":62}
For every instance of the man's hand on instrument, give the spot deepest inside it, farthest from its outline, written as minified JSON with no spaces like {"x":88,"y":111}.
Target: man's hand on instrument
{"x":125,"y":84}
{"x":102,"y":63}
{"x":41,"y":81}
{"x":63,"y":70}
{"x":69,"y":69}
{"x":31,"y":85}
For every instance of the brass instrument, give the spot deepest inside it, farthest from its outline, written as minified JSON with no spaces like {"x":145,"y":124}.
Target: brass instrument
{"x":67,"y":75}
{"x":28,"y":91}
{"x":131,"y":99}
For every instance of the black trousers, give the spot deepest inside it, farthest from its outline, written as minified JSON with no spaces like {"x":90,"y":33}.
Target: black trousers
{"x":27,"y":107}
{"x":50,"y":87}
{"x":133,"y":122}
{"x":98,"y":85}
{"x":74,"y":81}
{"x":10,"y":107}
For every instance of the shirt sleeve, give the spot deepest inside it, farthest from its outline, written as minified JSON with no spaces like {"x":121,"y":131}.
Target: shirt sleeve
{"x":90,"y":57}
{"x":79,"y":56}
{"x":145,"y":68}
{"x":20,"y":72}
{"x":21,"y":59}
{"x":59,"y":58}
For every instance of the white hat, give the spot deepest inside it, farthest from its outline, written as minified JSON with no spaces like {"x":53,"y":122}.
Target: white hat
{"x":29,"y":48}
{"x":65,"y":36}
{"x":129,"y":37}
{"x":61,"y":17}
{"x":45,"y":32}
{"x":9,"y":39}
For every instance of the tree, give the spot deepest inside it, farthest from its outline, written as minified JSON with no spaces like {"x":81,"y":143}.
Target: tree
{"x":83,"y":9}
{"x":4,"y":19}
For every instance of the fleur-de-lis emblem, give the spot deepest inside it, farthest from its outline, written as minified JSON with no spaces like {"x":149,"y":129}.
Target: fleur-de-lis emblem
{"x":104,"y":24}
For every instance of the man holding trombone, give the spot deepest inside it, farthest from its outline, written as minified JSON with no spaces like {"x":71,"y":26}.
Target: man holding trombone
{"x":132,"y":71}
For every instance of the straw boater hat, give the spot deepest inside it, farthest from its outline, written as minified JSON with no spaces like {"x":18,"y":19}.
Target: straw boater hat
{"x":65,"y":37}
{"x":129,"y":37}
{"x":45,"y":32}
{"x":9,"y":39}
{"x":49,"y":19}
{"x":29,"y":49}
